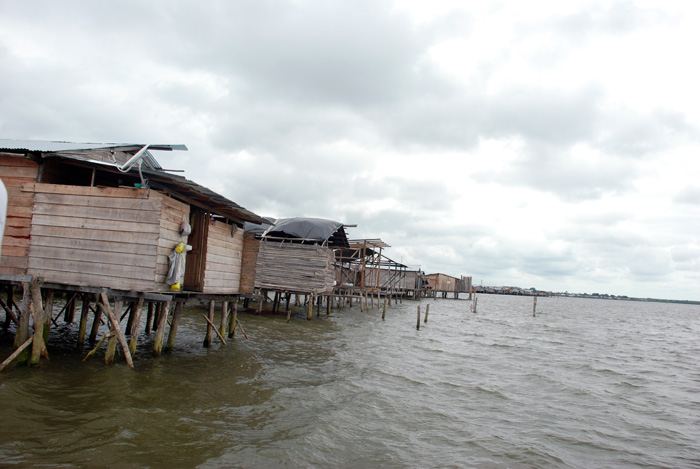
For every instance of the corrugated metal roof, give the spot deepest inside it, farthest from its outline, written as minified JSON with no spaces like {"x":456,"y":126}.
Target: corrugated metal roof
{"x":57,"y":146}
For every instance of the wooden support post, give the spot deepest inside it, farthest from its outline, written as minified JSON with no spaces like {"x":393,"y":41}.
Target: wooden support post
{"x":362,"y":303}
{"x":95,"y":325}
{"x":384,"y":310}
{"x":112,"y":342}
{"x":84,"y":311}
{"x":39,"y":323}
{"x":223,"y":329}
{"x":149,"y":317}
{"x":232,"y":323}
{"x":288,"y":297}
{"x":8,"y":309}
{"x":260,"y":303}
{"x":177,"y":311}
{"x":115,"y":330}
{"x":131,"y":309}
{"x":48,"y":316}
{"x":211,"y":324}
{"x":22,"y":333}
{"x":16,"y":353}
{"x":69,"y":317}
{"x":534,"y":306}
{"x":418,"y":323}
{"x":311,"y":308}
{"x":208,"y":336}
{"x":427,"y":308}
{"x":134,"y":331}
{"x":329,"y":300}
{"x":160,"y":330}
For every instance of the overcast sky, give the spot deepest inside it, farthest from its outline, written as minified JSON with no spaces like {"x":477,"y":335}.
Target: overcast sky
{"x":548,"y":144}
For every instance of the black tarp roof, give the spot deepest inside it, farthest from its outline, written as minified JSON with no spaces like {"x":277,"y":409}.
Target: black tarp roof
{"x":317,"y":230}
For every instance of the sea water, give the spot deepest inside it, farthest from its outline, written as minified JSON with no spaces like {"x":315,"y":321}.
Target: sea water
{"x":584,"y":383}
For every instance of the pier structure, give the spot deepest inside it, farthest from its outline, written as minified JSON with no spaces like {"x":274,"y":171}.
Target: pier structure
{"x":105,"y":228}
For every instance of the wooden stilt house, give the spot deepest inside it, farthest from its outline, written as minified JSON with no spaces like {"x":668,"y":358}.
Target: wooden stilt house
{"x":102,"y":222}
{"x":105,"y":215}
{"x":297,"y":255}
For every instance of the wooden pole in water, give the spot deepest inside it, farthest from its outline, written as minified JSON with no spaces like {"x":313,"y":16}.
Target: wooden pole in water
{"x":177,"y":311}
{"x":149,"y":317}
{"x":427,"y":308}
{"x":534,"y":306}
{"x":22,"y":333}
{"x":39,"y":323}
{"x":210,"y":321}
{"x":160,"y":330}
{"x":16,"y":353}
{"x":213,"y":327}
{"x":232,"y":323}
{"x":84,"y":311}
{"x":114,"y":326}
{"x":310,"y":313}
{"x":116,"y":329}
{"x":418,"y":322}
{"x":134,"y":334}
{"x":384,"y":310}
{"x":224,"y":319}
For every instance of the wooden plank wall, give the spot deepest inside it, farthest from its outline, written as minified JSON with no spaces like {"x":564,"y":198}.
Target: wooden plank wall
{"x":294,"y":267}
{"x":249,"y":261}
{"x":223,"y":263}
{"x":171,"y":217}
{"x":94,"y":236}
{"x":397,"y":278}
{"x":15,"y":171}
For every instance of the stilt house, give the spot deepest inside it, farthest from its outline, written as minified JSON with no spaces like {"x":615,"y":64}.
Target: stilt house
{"x":108,"y":215}
{"x":294,"y":255}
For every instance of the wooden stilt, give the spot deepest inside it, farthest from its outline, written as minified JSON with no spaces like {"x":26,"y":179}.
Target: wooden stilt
{"x":213,"y":327}
{"x":131,"y":309}
{"x":114,"y":327}
{"x":48,"y":316}
{"x":39,"y":323}
{"x":9,"y":315}
{"x":149,"y":317}
{"x":16,"y":353}
{"x":69,"y":316}
{"x":160,"y":330}
{"x":232,"y":322}
{"x":210,"y":321}
{"x":22,"y":333}
{"x":95,"y":326}
{"x":224,"y":319}
{"x":418,"y":323}
{"x":84,"y":311}
{"x":384,"y":311}
{"x":310,"y":313}
{"x":173,"y":326}
{"x":134,"y":331}
{"x":427,"y":309}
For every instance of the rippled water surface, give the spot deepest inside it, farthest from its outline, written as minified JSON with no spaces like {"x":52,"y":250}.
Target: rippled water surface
{"x":585,"y":383}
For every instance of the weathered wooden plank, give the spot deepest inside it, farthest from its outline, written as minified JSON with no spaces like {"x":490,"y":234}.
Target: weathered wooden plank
{"x":13,"y":231}
{"x":132,"y":193}
{"x":228,"y":251}
{"x":13,"y":160}
{"x":97,"y":213}
{"x":124,"y":258}
{"x":92,"y":280}
{"x":117,"y":236}
{"x":93,"y":224}
{"x":12,"y":262}
{"x":15,"y":182}
{"x":95,"y":245}
{"x":28,"y":172}
{"x":38,"y":266}
{"x":15,"y":251}
{"x":126,"y":203}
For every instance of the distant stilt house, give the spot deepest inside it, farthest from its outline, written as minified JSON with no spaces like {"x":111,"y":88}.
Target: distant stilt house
{"x":293,"y":256}
{"x":435,"y":285}
{"x":369,"y":270}
{"x":94,"y":218}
